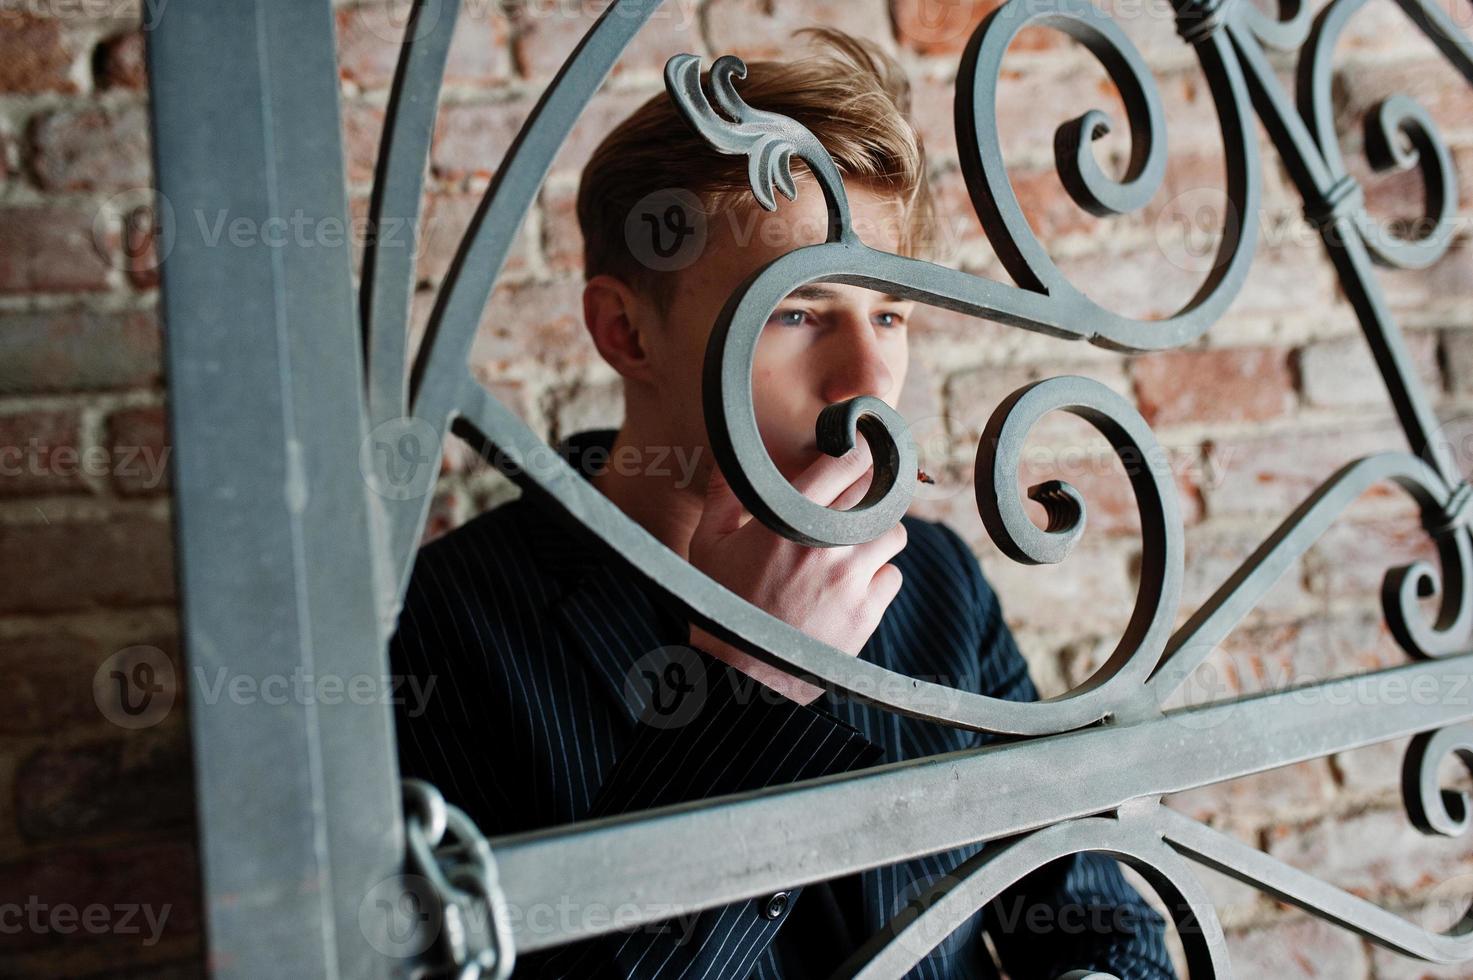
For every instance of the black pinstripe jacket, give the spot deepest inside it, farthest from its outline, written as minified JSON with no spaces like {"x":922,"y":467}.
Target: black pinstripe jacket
{"x":540,"y":653}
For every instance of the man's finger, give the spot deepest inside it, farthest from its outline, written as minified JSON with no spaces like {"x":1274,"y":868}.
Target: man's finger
{"x":828,"y":476}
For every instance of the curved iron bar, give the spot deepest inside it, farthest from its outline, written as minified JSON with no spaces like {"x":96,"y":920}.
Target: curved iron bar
{"x":435,"y":382}
{"x":1385,"y":124}
{"x":1293,"y":537}
{"x":1002,"y":217}
{"x":1288,"y":884}
{"x":1432,"y":809}
{"x":956,"y":897}
{"x":1117,"y":686}
{"x":387,"y":289}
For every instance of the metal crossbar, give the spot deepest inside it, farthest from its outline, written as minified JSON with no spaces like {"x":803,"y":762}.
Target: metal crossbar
{"x":290,"y":560}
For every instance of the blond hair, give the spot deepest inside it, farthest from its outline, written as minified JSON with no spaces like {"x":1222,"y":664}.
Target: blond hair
{"x":855,"y":99}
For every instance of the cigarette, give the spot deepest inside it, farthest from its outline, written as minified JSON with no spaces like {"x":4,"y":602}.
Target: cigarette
{"x":924,"y":477}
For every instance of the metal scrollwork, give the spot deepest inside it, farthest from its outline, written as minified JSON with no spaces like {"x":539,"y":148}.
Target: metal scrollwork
{"x":1123,"y":774}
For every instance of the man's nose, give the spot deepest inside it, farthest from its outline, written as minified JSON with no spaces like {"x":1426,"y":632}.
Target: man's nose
{"x":854,"y":364}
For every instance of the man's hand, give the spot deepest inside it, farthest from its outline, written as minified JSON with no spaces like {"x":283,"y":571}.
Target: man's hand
{"x":836,"y":595}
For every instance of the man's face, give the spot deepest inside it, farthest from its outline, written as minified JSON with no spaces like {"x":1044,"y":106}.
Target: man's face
{"x":825,"y":343}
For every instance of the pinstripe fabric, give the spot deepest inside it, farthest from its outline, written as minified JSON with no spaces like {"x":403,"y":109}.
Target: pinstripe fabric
{"x":562,"y":690}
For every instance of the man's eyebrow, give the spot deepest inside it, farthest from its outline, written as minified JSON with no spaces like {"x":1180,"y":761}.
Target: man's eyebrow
{"x":817,"y":292}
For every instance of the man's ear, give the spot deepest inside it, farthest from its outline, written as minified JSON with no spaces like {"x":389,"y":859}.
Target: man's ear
{"x":619,"y":324}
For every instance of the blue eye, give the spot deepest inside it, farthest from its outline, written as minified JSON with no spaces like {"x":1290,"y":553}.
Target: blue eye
{"x":780,"y":316}
{"x":896,"y":319}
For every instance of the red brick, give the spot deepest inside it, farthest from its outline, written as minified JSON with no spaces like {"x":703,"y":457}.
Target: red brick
{"x":931,"y":115}
{"x":362,"y":130}
{"x":1360,"y":84}
{"x":1303,"y":788}
{"x":606,"y":110}
{"x":529,"y":325}
{"x":51,"y":670}
{"x":1373,"y":854}
{"x":40,"y":453}
{"x":37,"y":54}
{"x":1215,"y":553}
{"x":1446,"y":286}
{"x":547,"y":32}
{"x":140,"y":252}
{"x":944,"y":26}
{"x":472,"y":138}
{"x":53,"y":248}
{"x":1302,"y":947}
{"x":161,"y":876}
{"x":127,"y":561}
{"x":370,"y":38}
{"x":78,"y":350}
{"x":1353,"y":557}
{"x":449,"y":508}
{"x":443,"y":224}
{"x":1234,"y":385}
{"x":138,"y":443}
{"x":757,"y":29}
{"x":92,"y":149}
{"x":1342,"y":372}
{"x":122,"y":63}
{"x":1457,"y":346}
{"x":1273,"y":474}
{"x":137,"y":782}
{"x":562,"y":239}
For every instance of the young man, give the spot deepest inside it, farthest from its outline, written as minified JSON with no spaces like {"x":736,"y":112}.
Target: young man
{"x":542,"y":647}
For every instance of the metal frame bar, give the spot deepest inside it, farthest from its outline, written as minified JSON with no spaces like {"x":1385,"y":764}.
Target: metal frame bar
{"x":279,"y":554}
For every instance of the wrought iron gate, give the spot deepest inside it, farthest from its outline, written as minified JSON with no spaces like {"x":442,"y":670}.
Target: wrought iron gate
{"x":280,"y":379}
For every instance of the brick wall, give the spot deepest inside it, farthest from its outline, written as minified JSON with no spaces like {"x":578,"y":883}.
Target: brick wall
{"x":1279,"y":394}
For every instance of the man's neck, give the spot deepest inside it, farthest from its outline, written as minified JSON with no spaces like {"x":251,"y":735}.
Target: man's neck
{"x":654,"y":492}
